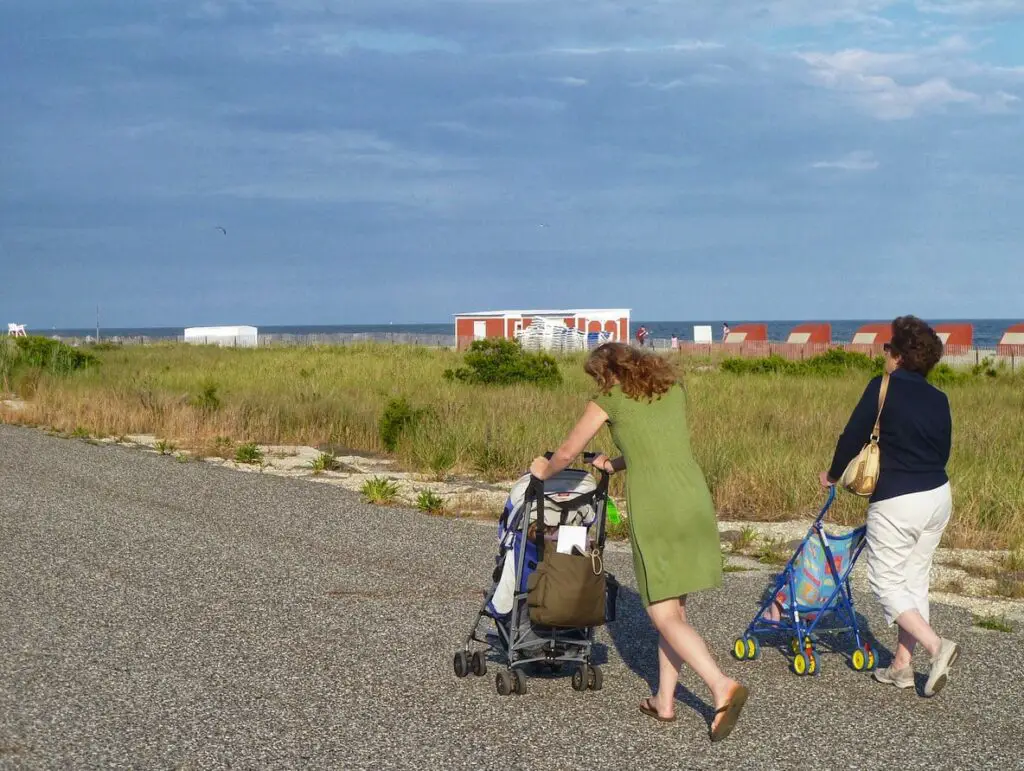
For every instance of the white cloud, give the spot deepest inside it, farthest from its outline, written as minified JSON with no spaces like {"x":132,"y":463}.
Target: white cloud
{"x":984,"y":8}
{"x":1000,"y":102}
{"x":568,"y":80}
{"x":217,"y":10}
{"x":861,"y":74}
{"x":859,"y":160}
{"x":683,"y":46}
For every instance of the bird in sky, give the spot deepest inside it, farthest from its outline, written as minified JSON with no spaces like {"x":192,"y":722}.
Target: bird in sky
{"x":222,"y":230}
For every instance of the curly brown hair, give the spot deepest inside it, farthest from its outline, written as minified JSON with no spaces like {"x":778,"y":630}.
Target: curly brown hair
{"x":917,"y":345}
{"x":641,"y":375}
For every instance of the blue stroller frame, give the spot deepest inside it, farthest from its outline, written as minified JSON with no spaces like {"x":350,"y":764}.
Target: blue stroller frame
{"x":517,"y":643}
{"x":806,"y":624}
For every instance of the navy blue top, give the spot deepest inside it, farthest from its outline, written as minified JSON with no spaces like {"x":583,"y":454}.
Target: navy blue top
{"x":915,"y":436}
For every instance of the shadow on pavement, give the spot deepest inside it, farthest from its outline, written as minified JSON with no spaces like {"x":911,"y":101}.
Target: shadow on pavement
{"x":839,"y":643}
{"x":636,"y":641}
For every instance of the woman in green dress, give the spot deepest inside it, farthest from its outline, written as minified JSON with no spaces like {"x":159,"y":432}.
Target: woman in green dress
{"x":672,"y":523}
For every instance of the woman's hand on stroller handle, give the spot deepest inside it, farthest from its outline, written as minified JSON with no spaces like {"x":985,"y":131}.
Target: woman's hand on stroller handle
{"x":598,"y":460}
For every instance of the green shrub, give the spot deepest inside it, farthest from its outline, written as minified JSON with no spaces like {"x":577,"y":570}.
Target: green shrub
{"x":379,"y":490}
{"x":207,"y":400}
{"x":52,"y":355}
{"x":442,"y":460}
{"x":945,"y":375}
{"x":223,"y":447}
{"x":249,"y":453}
{"x":164,"y":447}
{"x":764,"y":366}
{"x":774,"y":552}
{"x":747,"y":537}
{"x":833,"y":362}
{"x":504,"y":362}
{"x":325,"y":461}
{"x":994,"y":623}
{"x":430,"y":502}
{"x":39,"y":354}
{"x":988,"y":369}
{"x":9,"y":355}
{"x":398,"y":416}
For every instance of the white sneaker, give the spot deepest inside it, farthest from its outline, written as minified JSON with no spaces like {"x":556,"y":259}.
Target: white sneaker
{"x":938,"y":675}
{"x":901,"y":678}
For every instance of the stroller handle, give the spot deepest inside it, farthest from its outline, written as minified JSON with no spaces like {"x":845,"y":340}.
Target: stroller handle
{"x":588,"y":457}
{"x":828,"y":501}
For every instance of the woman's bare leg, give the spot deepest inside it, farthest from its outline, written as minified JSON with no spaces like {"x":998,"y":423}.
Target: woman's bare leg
{"x":669,"y":664}
{"x":681,"y":642}
{"x":905,"y":644}
{"x":914,"y":629}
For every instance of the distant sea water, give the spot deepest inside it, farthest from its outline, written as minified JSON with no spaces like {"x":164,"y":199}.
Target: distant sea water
{"x":987,"y":332}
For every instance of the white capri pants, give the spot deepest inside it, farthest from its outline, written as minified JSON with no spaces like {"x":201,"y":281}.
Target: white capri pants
{"x":903,"y":533}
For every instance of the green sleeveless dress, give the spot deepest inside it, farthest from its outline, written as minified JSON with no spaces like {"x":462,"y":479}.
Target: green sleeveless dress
{"x":672,"y":522}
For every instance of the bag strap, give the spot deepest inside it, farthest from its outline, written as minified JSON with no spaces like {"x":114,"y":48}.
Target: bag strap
{"x":881,"y":403}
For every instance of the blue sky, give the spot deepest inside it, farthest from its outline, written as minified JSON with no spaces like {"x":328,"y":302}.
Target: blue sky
{"x":402,"y":160}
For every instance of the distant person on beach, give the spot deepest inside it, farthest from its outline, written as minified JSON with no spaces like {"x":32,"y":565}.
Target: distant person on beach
{"x":912,"y":503}
{"x":675,"y":342}
{"x":672,"y":523}
{"x":725,"y":332}
{"x":641,"y":336}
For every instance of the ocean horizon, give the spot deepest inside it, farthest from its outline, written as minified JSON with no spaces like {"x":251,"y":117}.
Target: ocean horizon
{"x":987,"y":332}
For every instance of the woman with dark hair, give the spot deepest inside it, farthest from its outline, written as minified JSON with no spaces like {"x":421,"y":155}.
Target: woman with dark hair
{"x":672,"y":523}
{"x":911,"y":504}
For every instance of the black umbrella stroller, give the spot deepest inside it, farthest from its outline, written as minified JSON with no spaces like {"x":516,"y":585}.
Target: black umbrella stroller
{"x":530,"y":526}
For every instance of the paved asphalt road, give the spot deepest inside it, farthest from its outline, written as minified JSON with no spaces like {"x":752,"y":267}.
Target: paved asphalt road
{"x":155,"y":614}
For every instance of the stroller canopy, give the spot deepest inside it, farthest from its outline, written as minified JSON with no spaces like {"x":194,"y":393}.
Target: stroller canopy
{"x":561,"y":488}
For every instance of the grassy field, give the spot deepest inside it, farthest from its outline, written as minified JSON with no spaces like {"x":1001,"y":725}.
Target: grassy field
{"x":761,"y":439}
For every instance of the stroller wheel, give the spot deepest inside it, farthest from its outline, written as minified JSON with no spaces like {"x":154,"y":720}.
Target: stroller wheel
{"x":581,"y":678}
{"x":478,"y":663}
{"x":739,"y":649}
{"x":794,"y":645}
{"x":753,"y":648}
{"x":596,"y":680}
{"x":461,"y":664}
{"x":503,"y":682}
{"x":802,"y":663}
{"x":863,"y":659}
{"x":518,"y":682}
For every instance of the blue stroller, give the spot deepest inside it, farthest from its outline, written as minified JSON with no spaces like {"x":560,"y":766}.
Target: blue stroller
{"x":813,"y":592}
{"x":533,"y":514}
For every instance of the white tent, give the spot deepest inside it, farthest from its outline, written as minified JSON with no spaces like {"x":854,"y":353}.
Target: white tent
{"x":245,"y":337}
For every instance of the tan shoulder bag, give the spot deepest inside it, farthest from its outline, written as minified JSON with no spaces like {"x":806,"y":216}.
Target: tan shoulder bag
{"x":861,"y":474}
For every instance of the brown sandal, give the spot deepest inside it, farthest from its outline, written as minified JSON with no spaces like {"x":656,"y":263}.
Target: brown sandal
{"x":651,"y":711}
{"x":730,"y":713}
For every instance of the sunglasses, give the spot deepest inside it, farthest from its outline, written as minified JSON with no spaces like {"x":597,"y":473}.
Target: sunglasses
{"x":887,"y":347}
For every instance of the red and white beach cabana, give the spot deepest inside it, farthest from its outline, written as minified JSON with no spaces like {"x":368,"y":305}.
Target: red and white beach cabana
{"x":487,"y":324}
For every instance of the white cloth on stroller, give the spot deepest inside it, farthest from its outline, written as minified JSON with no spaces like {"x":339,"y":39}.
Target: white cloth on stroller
{"x":562,"y":487}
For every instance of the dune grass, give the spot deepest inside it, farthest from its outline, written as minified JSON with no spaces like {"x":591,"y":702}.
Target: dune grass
{"x":760,"y":438}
